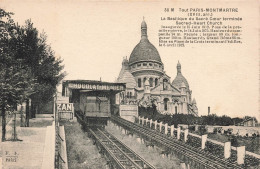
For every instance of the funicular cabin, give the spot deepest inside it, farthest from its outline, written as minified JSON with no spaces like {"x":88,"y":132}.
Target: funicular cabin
{"x":94,"y":101}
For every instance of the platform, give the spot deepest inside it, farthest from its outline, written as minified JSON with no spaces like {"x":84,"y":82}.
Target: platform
{"x":29,"y":152}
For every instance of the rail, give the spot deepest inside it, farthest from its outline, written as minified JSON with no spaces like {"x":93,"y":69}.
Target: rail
{"x":205,"y":159}
{"x":118,"y":153}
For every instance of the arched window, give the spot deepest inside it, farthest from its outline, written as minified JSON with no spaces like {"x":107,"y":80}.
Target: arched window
{"x":165,"y":101}
{"x":151,"y":82}
{"x":165,"y":87}
{"x":139,"y":82}
{"x":130,"y":95}
{"x":156,"y":82}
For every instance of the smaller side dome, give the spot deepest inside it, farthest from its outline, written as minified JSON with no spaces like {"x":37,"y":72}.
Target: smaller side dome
{"x":128,"y":79}
{"x":179,"y":79}
{"x":125,"y":75}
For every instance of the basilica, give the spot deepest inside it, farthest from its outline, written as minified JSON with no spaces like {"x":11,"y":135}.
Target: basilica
{"x":147,"y":83}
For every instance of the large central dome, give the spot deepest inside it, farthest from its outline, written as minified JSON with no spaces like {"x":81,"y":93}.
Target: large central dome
{"x":144,"y":50}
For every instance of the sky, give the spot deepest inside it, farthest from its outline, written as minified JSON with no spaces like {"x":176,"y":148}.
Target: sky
{"x":93,"y":37}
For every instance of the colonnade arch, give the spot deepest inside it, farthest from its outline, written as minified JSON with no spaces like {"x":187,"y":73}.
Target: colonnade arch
{"x":153,"y":81}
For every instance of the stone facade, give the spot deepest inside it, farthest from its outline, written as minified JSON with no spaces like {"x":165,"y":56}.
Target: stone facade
{"x":146,"y":80}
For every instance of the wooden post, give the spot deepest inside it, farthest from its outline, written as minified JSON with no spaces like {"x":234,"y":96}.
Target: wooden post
{"x":178,"y":133}
{"x":241,"y":152}
{"x":166,"y":128}
{"x":27,"y":112}
{"x":203,"y":140}
{"x":3,"y":123}
{"x":196,"y":127}
{"x":227,"y":149}
{"x":172,"y":130}
{"x":186,"y":132}
{"x":183,"y":166}
{"x":161,"y":126}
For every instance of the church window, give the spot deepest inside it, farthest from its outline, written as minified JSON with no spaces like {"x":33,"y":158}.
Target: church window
{"x":155,"y":65}
{"x":138,"y":65}
{"x":130,"y":95}
{"x":156,"y":82}
{"x":151,"y":82}
{"x":144,"y":64}
{"x":150,"y":64}
{"x":139,"y":82}
{"x":165,"y":101}
{"x":144,"y":80}
{"x":165,"y":86}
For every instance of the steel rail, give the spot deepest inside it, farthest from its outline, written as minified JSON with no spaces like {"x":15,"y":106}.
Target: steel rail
{"x":134,"y":156}
{"x":123,"y":156}
{"x":176,"y":148}
{"x":110,"y":153}
{"x":120,"y":149}
{"x":206,"y":159}
{"x":202,"y":153}
{"x":186,"y":148}
{"x":144,"y":164}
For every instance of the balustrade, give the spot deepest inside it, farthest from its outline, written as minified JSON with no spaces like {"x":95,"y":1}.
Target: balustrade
{"x":222,"y":150}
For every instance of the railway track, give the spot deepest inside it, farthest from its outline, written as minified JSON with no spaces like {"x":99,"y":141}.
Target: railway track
{"x":202,"y":158}
{"x":118,"y":154}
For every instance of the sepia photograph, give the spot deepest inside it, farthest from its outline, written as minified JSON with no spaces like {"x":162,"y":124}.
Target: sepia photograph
{"x":129,"y":84}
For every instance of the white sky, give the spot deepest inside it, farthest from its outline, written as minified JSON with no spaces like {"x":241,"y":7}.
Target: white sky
{"x":93,"y":37}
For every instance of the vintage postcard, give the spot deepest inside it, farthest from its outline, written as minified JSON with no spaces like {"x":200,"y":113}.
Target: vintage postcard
{"x":129,"y":84}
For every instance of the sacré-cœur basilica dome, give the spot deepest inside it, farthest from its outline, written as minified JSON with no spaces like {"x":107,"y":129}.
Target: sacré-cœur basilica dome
{"x":145,"y":78}
{"x":144,"y":50}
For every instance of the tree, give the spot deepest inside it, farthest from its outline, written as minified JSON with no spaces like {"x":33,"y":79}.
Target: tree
{"x":15,"y":82}
{"x":28,"y":66}
{"x":32,"y":48}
